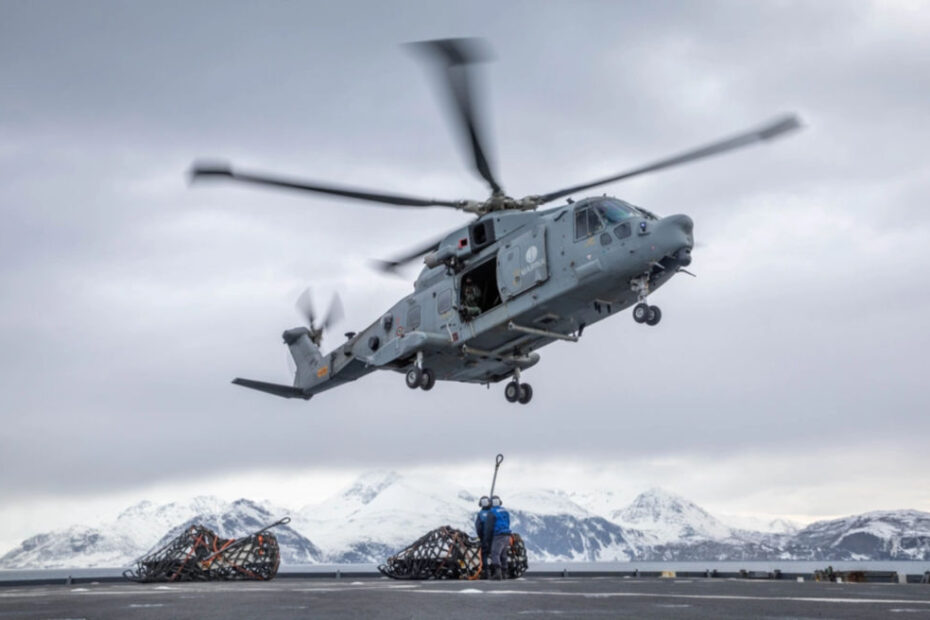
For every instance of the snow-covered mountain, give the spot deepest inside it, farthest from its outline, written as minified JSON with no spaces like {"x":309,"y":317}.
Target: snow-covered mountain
{"x":667,"y":518}
{"x":144,"y":527}
{"x":76,"y":546}
{"x":381,"y":512}
{"x":772,"y":525}
{"x":244,"y":517}
{"x":576,"y":539}
{"x":880,"y":535}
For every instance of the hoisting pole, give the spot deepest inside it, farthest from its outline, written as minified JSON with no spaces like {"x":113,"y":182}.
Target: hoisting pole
{"x":497,"y":464}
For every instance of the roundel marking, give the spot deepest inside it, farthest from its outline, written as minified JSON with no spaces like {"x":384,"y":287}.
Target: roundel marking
{"x":531,"y":254}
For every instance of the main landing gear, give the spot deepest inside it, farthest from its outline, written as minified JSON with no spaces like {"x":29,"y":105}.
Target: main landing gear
{"x":643,"y":312}
{"x":423,"y":379}
{"x":419,"y":377}
{"x":517,"y":392}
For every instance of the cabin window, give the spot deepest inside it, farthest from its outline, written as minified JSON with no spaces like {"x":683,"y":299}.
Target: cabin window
{"x":413,"y":318}
{"x":444,"y":301}
{"x":623,"y":231}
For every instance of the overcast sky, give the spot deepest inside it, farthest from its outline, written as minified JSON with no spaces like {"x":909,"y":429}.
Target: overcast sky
{"x":788,"y":378}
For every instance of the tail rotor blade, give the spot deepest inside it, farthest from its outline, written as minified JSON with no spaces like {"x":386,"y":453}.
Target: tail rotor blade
{"x":335,"y":314}
{"x":305,"y":308}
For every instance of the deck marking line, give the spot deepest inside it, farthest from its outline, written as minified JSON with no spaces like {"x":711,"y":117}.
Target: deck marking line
{"x":724,"y":597}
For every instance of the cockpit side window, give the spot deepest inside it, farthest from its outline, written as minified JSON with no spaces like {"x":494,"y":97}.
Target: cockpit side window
{"x":614,"y":212}
{"x":587,"y":223}
{"x":581,"y":224}
{"x":595,"y":225}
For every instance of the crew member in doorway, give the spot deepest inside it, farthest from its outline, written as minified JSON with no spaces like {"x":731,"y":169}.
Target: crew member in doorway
{"x":471,"y":298}
{"x":480,"y":519}
{"x":497,"y":528}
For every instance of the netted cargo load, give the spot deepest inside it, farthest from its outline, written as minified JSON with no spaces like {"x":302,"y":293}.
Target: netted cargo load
{"x":516,"y":558}
{"x":198,"y":554}
{"x":448,"y":553}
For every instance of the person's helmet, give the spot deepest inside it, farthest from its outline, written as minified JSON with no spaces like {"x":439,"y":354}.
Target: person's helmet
{"x":496,"y":501}
{"x":484,"y":502}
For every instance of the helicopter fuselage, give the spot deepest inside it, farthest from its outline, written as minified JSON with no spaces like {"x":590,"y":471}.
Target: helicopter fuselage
{"x":534,"y":277}
{"x":514,"y":280}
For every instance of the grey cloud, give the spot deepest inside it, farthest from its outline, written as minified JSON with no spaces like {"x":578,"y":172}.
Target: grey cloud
{"x":131,"y":299}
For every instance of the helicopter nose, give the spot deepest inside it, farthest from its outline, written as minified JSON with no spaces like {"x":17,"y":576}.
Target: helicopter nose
{"x":682,"y":222}
{"x":678,"y":232}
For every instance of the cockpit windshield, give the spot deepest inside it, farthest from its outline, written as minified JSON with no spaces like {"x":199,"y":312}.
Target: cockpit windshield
{"x":614,"y":211}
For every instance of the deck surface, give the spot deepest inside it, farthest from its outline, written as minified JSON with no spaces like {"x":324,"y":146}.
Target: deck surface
{"x":529,"y":597}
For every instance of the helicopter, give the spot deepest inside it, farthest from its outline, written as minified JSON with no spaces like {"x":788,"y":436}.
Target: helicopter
{"x":516,"y":278}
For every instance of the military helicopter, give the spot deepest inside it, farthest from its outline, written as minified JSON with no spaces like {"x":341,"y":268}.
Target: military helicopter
{"x":515,"y":279}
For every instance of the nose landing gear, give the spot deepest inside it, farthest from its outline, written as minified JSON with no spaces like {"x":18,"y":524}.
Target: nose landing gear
{"x":643,"y":312}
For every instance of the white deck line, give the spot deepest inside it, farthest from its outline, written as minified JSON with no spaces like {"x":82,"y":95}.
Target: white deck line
{"x":733,"y":597}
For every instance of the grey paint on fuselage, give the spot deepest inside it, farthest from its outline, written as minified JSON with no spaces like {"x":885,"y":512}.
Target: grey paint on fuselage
{"x":575,"y":283}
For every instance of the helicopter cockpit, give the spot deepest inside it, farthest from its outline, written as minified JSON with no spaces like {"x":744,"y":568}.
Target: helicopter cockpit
{"x":614,"y":210}
{"x":592,"y":217}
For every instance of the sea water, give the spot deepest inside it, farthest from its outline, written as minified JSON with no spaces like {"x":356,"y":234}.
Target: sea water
{"x":916,"y":567}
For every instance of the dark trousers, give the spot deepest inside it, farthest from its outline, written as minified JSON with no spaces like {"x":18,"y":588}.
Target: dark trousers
{"x":499,"y":548}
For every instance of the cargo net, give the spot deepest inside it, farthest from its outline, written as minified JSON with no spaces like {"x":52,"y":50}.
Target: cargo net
{"x":448,"y":553}
{"x":200,"y":555}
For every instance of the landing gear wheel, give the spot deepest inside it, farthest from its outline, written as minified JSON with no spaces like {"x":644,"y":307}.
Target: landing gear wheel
{"x":512,"y":392}
{"x":427,"y":379}
{"x":641,"y":312}
{"x":526,"y":393}
{"x":655,"y":315}
{"x":413,"y":378}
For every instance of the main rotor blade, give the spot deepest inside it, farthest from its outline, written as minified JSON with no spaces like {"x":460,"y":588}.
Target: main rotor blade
{"x":222,"y":170}
{"x":772,"y":130}
{"x":392,"y":265}
{"x":454,"y":57}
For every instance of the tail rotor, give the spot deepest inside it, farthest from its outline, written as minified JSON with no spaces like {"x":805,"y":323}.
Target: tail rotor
{"x":333,"y":315}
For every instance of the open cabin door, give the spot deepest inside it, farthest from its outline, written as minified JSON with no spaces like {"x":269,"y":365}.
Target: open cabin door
{"x":522,"y":263}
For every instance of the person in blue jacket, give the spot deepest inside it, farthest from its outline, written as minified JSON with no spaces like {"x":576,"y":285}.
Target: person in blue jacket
{"x":480,"y":519}
{"x":497,"y":530}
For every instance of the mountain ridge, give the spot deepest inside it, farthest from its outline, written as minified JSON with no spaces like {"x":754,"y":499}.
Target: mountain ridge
{"x":383,"y":511}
